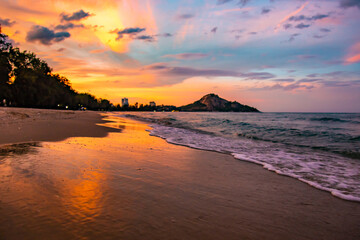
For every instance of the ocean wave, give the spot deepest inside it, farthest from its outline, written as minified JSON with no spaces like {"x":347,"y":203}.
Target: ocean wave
{"x":332,"y":119}
{"x":322,"y":155}
{"x":325,"y":171}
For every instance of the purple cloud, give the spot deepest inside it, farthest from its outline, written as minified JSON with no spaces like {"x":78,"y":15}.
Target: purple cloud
{"x":219,"y":2}
{"x":293,"y":36}
{"x":287,"y":26}
{"x":325,"y":30}
{"x":128,"y":31}
{"x":214,"y":30}
{"x":284,"y":80}
{"x":146,"y":38}
{"x":349,"y":3}
{"x":187,"y":56}
{"x":45,"y":35}
{"x":164,"y":69}
{"x":302,"y":25}
{"x":185,"y":16}
{"x":312,"y":18}
{"x":288,"y":87}
{"x":6,"y":22}
{"x":68,"y":26}
{"x":265,"y":10}
{"x":164,"y":35}
{"x":76,"y":16}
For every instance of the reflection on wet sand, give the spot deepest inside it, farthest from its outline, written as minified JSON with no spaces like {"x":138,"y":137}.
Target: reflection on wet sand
{"x":83,"y":199}
{"x":130,"y":185}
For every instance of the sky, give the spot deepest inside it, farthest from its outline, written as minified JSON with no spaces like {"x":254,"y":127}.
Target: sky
{"x":275,"y":55}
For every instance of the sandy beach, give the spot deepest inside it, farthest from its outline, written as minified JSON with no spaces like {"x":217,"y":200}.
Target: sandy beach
{"x":88,"y":178}
{"x":20,"y":125}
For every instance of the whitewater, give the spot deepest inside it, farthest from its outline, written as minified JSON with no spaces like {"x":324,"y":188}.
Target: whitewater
{"x":320,"y":149}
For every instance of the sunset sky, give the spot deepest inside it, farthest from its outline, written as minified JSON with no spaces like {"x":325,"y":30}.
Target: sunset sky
{"x":275,"y":55}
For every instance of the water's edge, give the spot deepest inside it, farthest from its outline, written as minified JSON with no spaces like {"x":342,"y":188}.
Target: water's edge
{"x":326,"y":182}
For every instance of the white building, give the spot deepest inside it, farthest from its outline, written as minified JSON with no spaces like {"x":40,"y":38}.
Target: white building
{"x":152,"y":104}
{"x":124,"y":102}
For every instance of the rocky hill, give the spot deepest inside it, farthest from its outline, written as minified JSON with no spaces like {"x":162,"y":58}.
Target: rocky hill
{"x":214,"y":103}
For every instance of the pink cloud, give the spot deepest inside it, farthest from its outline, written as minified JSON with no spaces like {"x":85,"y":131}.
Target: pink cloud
{"x":354,"y":54}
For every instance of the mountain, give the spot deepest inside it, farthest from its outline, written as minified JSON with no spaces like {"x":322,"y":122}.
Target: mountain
{"x":213,"y":103}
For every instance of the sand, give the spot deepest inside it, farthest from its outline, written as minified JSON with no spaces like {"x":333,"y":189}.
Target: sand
{"x":135,"y":186}
{"x":20,"y":125}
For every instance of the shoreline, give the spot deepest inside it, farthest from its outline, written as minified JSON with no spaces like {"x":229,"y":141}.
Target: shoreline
{"x":161,"y":130}
{"x":148,"y":188}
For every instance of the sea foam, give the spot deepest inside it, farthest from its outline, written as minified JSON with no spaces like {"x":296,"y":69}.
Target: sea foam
{"x":322,"y":170}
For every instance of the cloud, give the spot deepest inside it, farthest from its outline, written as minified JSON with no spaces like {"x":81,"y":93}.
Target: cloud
{"x":164,"y":35}
{"x":146,"y":38}
{"x":313,"y":75}
{"x":349,"y":3}
{"x":287,"y":26}
{"x":214,"y":30}
{"x":285,"y":87}
{"x":325,"y":30}
{"x":291,"y":15}
{"x":284,"y":80}
{"x":304,"y":56}
{"x":68,"y":26}
{"x":293,"y":36}
{"x":312,"y":18}
{"x":6,"y":22}
{"x":353,"y":55}
{"x":355,"y":83}
{"x":302,"y":25}
{"x":164,"y":69}
{"x":45,"y":35}
{"x":187,"y":56}
{"x":307,"y":80}
{"x":128,"y":31}
{"x":318,"y":36}
{"x":265,"y":10}
{"x":76,"y":16}
{"x":243,"y":2}
{"x":219,"y":2}
{"x":185,"y":16}
{"x":257,"y":75}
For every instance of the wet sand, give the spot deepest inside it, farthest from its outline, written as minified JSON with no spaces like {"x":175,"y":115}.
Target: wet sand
{"x":20,"y":125}
{"x":129,"y":185}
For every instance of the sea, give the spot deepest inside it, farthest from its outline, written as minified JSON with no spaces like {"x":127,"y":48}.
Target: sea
{"x":320,"y":149}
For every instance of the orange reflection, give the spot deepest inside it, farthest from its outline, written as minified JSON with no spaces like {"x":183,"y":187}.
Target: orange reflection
{"x":84,"y":197}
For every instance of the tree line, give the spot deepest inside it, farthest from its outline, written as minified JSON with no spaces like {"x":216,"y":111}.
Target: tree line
{"x":28,"y":81}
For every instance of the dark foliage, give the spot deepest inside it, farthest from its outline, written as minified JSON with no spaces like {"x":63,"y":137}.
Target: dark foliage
{"x":28,"y":81}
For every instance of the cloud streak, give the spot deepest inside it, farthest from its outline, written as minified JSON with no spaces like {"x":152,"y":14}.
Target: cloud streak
{"x":164,"y":69}
{"x":185,"y":16}
{"x":128,"y":32}
{"x":187,"y":56}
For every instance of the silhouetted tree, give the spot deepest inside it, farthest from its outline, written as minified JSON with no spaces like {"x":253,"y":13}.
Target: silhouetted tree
{"x":34,"y":85}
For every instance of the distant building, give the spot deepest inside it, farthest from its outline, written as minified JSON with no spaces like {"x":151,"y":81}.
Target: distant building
{"x":136,"y":105}
{"x":152,"y":104}
{"x":124,"y":102}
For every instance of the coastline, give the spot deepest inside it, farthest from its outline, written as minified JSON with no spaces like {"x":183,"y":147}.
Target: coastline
{"x":167,"y":191}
